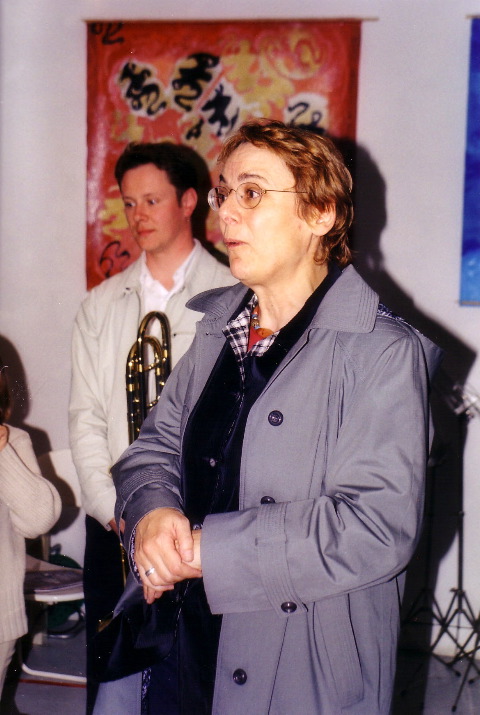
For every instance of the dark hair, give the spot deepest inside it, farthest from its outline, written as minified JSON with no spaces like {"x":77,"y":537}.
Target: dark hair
{"x":318,"y":169}
{"x":172,"y":158}
{"x":5,"y":402}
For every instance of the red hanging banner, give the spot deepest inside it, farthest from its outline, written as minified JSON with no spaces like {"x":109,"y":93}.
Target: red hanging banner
{"x":194,"y":83}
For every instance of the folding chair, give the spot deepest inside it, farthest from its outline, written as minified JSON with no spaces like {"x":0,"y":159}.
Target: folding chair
{"x":51,"y":584}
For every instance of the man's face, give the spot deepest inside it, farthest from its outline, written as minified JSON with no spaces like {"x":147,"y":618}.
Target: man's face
{"x":154,"y":215}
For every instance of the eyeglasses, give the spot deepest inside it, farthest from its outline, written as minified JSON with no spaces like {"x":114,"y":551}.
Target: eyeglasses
{"x":248,"y":195}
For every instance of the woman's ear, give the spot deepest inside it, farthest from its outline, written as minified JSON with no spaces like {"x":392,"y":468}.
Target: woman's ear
{"x":322,"y":221}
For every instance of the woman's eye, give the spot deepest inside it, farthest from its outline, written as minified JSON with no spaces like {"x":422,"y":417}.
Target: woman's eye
{"x":152,"y":202}
{"x":251,"y":193}
{"x":221,"y":195}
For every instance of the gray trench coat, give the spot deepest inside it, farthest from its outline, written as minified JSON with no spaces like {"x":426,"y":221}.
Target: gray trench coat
{"x":309,"y":581}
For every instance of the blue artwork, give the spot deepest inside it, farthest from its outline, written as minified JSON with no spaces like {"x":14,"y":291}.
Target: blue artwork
{"x":470,"y":282}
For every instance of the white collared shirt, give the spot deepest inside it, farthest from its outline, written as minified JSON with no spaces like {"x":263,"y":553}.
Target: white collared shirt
{"x":154,"y":295}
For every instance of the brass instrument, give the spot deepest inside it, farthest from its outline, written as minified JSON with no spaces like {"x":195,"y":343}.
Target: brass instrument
{"x":142,"y":391}
{"x":140,"y":399}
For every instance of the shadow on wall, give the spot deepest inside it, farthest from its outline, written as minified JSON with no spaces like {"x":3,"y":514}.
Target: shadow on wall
{"x":444,"y":486}
{"x":19,"y":393}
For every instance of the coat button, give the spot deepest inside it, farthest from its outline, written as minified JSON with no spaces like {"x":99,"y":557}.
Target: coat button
{"x":240,"y":676}
{"x":289,"y":607}
{"x":275,"y":418}
{"x":267,"y":500}
{"x":212,"y":462}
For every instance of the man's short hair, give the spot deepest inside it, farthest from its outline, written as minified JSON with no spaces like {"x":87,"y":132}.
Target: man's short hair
{"x":174,"y":159}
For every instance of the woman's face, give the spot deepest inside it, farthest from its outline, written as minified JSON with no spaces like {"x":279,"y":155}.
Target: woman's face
{"x":269,"y":245}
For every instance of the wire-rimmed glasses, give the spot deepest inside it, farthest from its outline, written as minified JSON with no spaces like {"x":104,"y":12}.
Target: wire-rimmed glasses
{"x":248,"y":195}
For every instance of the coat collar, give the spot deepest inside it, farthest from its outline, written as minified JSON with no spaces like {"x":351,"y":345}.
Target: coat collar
{"x":129,"y":279}
{"x":350,"y":305}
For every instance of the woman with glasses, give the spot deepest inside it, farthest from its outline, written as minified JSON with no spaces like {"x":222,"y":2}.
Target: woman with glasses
{"x":277,"y":488}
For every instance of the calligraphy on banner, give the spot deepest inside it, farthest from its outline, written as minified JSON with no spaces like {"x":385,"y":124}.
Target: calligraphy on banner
{"x":194,"y":83}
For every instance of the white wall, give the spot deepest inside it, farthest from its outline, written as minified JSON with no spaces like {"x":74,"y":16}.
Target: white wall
{"x":411,"y":122}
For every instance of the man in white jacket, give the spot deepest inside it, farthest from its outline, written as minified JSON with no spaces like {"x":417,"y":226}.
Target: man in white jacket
{"x":158,"y":186}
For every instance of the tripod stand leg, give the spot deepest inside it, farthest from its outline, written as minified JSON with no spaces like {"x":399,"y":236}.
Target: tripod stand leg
{"x":471,"y":664}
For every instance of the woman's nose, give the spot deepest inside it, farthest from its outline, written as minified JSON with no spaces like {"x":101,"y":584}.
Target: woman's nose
{"x":228,"y":211}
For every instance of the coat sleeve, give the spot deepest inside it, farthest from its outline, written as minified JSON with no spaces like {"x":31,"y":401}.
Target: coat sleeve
{"x":33,"y":502}
{"x":88,"y":425}
{"x":362,"y":526}
{"x":147,"y":476}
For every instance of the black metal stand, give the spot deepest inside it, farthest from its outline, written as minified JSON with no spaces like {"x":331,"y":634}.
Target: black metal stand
{"x":470,"y":656}
{"x":459,"y":617}
{"x":460,"y":607}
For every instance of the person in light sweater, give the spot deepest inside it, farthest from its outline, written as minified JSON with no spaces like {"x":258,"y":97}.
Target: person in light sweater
{"x":29,"y":507}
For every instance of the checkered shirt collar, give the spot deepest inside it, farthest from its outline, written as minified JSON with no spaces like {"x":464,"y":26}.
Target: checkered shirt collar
{"x":237,"y":333}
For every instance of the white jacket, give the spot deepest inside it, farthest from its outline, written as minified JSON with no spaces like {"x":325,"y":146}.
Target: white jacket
{"x":104,"y":330}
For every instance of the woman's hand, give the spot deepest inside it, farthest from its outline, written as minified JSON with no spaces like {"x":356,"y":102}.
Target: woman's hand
{"x":164,"y":543}
{"x":197,"y":537}
{"x":3,"y":436}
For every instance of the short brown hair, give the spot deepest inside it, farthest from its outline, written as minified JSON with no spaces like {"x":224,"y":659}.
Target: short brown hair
{"x":174,"y":159}
{"x":318,"y":169}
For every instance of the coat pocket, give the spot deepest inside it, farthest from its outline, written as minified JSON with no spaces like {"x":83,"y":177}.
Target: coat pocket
{"x":335,"y":640}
